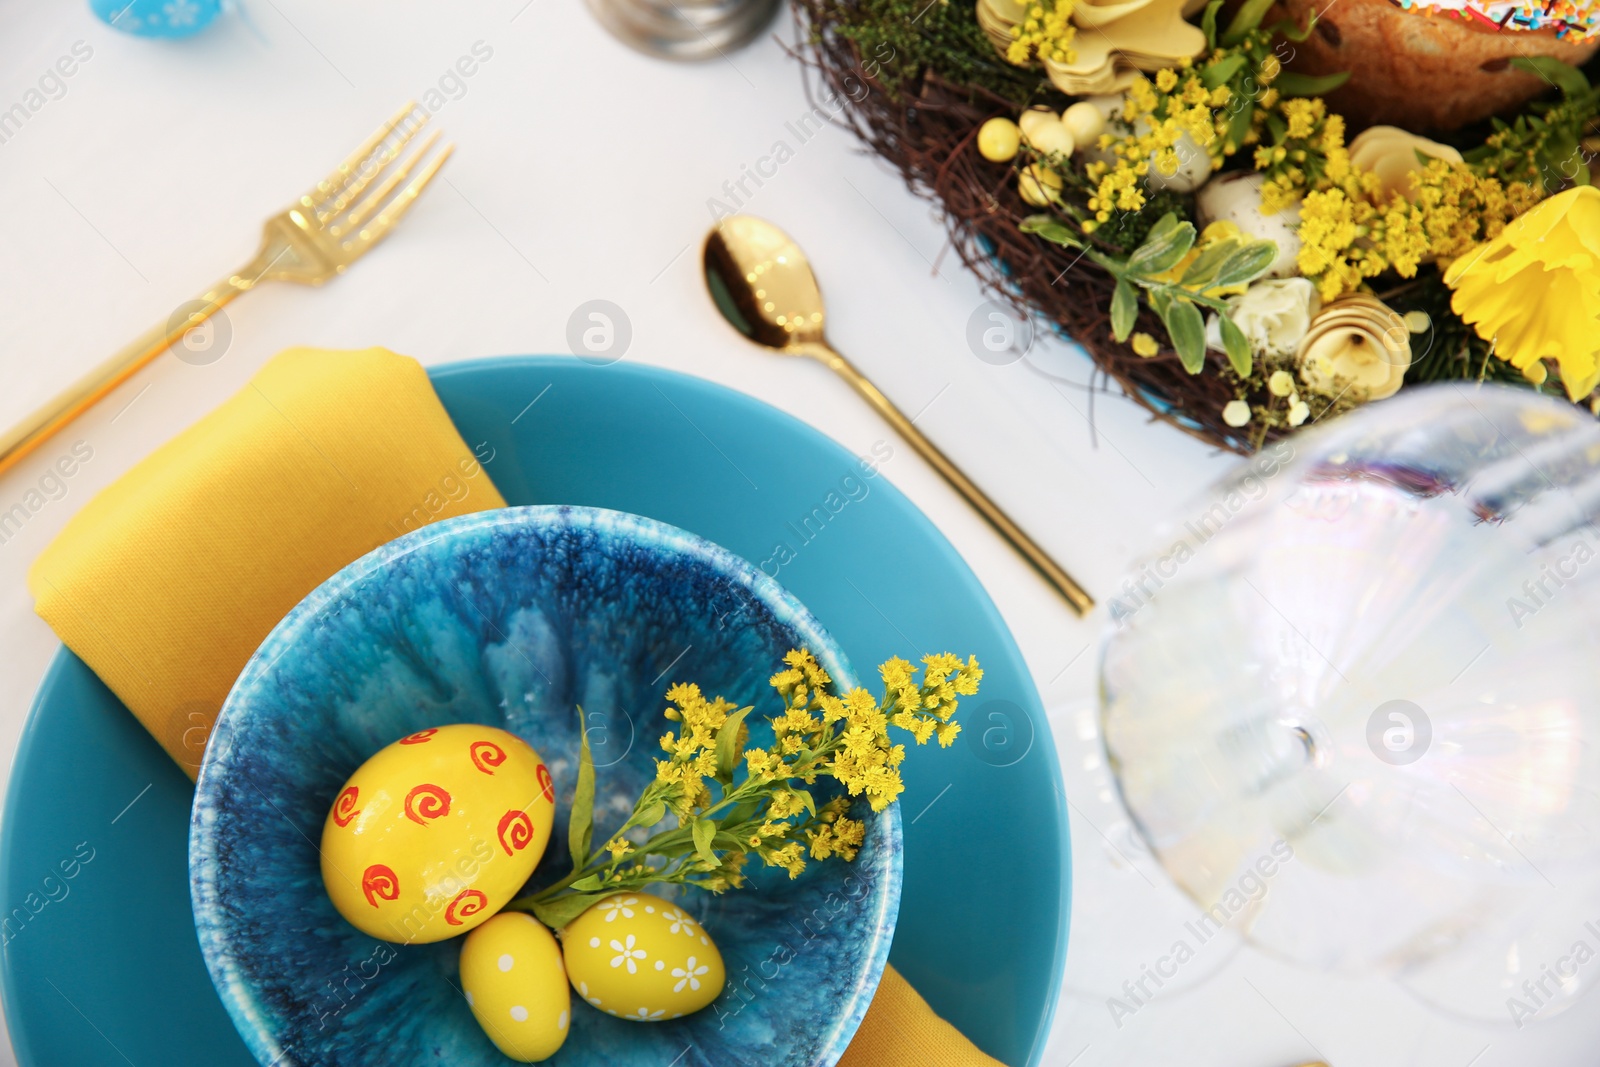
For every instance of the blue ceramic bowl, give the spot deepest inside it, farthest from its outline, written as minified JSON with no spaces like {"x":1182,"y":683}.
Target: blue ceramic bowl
{"x":511,"y":618}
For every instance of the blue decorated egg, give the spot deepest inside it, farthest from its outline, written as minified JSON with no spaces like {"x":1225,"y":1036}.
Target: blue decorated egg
{"x":157,"y":18}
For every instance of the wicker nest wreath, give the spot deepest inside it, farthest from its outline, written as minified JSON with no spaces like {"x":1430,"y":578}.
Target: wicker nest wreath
{"x":928,"y":86}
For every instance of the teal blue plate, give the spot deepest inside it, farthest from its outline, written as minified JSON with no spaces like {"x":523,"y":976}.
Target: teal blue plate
{"x":100,"y":960}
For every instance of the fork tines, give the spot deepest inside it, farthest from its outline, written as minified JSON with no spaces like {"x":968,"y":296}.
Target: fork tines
{"x":337,"y":204}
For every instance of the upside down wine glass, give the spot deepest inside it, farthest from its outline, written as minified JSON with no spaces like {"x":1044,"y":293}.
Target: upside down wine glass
{"x":1352,"y":700}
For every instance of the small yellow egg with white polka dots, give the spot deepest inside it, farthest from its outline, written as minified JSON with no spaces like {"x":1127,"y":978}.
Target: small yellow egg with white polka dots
{"x":512,"y":974}
{"x":641,"y":958}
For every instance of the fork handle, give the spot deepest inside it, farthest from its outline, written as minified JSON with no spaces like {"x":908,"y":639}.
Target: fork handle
{"x":43,"y":424}
{"x":1074,"y":594}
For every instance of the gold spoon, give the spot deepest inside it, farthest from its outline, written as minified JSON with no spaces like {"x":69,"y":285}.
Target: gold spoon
{"x":763,"y":285}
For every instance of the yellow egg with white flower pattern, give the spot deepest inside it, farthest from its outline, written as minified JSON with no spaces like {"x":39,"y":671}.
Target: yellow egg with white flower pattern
{"x":516,"y":985}
{"x":642,"y":958}
{"x":437,"y":832}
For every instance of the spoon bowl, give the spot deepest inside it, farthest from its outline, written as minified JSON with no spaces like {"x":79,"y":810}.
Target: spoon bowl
{"x":762,"y":283}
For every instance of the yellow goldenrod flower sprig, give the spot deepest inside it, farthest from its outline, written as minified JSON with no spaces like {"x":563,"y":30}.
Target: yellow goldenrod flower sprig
{"x":715,"y":819}
{"x":1349,"y":234}
{"x":1349,"y":230}
{"x":1046,"y":32}
{"x":1303,"y":151}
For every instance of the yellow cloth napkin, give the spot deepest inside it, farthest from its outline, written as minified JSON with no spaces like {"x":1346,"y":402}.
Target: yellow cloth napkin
{"x":167,"y":581}
{"x":900,"y":1030}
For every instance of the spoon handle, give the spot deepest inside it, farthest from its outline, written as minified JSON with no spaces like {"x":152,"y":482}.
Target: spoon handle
{"x":1079,"y":600}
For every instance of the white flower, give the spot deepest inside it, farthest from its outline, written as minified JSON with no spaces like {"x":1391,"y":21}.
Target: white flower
{"x":681,"y":923}
{"x":1357,"y":347}
{"x":645,"y":1015}
{"x":688,"y":975}
{"x":1273,"y":315}
{"x":617,"y":905}
{"x":1234,"y":413}
{"x":626,"y":954}
{"x":583,"y":990}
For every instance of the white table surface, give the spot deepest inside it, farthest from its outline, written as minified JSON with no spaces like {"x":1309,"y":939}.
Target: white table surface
{"x":584,"y":171}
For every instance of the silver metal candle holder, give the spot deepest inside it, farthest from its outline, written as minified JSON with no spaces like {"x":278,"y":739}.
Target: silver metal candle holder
{"x":684,"y":29}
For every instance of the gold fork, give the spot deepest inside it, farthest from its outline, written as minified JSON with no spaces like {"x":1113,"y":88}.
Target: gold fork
{"x":315,"y":239}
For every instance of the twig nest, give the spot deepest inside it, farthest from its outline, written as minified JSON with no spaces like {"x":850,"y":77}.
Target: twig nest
{"x":1391,"y":153}
{"x":1236,"y":197}
{"x":1356,"y":347}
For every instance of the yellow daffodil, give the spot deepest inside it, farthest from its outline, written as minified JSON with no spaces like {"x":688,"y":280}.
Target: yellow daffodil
{"x":1534,"y":291}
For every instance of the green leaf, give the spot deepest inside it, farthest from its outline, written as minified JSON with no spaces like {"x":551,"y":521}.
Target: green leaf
{"x":1568,"y":79}
{"x":589,"y":882}
{"x":1208,"y":23}
{"x":1247,"y":18}
{"x":1246,"y":264}
{"x":651,"y":815}
{"x":562,"y":910}
{"x":1168,"y":241}
{"x":1292,"y":31}
{"x":1239,"y":126}
{"x":1051,"y":229}
{"x":580,"y":826}
{"x":1201,"y":273}
{"x":1124,"y":310}
{"x":1234,"y":342}
{"x":806,"y":799}
{"x":676,"y":847}
{"x":728,"y":747}
{"x":1187,"y":329}
{"x":704,"y":830}
{"x":674,"y":842}
{"x":1221,"y":71}
{"x":1291,"y":84}
{"x":743,"y":811}
{"x":1278,"y":128}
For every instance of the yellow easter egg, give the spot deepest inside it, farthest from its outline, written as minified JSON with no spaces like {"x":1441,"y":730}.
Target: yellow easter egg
{"x":516,"y":985}
{"x":437,"y":832}
{"x":998,"y":140}
{"x":1039,"y":185}
{"x":1085,"y":122}
{"x":641,"y":958}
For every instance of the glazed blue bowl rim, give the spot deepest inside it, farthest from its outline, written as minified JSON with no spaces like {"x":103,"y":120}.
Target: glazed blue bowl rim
{"x":210,"y":925}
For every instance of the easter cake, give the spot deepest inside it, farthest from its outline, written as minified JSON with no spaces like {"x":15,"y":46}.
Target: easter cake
{"x":1439,"y":64}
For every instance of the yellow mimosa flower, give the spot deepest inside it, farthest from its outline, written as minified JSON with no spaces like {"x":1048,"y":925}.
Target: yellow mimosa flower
{"x":1534,"y":291}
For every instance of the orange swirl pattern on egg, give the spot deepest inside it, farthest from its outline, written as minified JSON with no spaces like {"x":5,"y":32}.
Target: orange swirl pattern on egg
{"x":486,"y":756}
{"x":426,"y":802}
